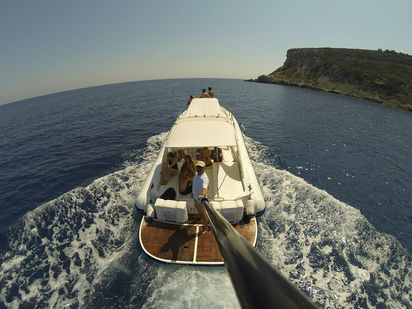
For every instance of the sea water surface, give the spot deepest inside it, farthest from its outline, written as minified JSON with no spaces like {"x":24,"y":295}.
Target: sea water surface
{"x":334,"y":171}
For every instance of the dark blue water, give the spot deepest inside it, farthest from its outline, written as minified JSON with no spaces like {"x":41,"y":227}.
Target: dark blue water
{"x":334,"y":172}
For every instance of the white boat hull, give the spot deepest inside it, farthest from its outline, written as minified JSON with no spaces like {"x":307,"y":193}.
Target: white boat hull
{"x":233,"y":178}
{"x":170,"y":231}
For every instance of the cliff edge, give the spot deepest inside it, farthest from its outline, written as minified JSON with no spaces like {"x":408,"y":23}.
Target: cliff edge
{"x":381,"y":76}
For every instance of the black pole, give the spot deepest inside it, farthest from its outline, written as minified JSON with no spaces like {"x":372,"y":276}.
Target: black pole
{"x":257,"y":283}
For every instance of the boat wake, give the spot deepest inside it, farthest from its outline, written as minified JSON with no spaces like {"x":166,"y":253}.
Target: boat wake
{"x":82,"y":248}
{"x":326,"y":247}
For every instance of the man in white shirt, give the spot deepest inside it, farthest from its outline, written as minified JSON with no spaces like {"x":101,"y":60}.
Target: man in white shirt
{"x":199,"y":190}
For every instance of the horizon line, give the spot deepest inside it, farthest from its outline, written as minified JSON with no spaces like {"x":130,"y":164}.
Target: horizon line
{"x":115,"y":83}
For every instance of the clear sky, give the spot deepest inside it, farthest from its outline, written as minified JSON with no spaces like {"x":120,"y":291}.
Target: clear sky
{"x":50,"y":46}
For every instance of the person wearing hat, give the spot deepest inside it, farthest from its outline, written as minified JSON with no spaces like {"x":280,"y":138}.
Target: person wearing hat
{"x":199,"y":190}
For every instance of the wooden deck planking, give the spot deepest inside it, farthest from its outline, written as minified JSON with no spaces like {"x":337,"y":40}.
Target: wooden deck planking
{"x":168,"y":241}
{"x":171,"y":242}
{"x":247,"y":230}
{"x":208,"y":249}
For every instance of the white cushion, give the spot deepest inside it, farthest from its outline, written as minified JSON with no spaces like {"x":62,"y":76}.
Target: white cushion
{"x":232,"y":211}
{"x":171,"y":210}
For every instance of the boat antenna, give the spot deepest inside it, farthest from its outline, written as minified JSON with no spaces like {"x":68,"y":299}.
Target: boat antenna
{"x":257,"y":283}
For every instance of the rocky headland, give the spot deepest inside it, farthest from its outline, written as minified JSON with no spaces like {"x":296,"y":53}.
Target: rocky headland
{"x":380,"y":76}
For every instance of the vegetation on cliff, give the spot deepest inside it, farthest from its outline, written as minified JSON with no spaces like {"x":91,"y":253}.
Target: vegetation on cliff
{"x":381,"y":76}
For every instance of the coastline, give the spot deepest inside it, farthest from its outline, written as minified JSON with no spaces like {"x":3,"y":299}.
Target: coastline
{"x":353,"y":73}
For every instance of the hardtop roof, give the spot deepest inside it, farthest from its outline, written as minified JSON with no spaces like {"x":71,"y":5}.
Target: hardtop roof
{"x":203,"y":124}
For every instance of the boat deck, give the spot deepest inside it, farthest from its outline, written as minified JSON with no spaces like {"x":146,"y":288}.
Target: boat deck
{"x":186,"y":244}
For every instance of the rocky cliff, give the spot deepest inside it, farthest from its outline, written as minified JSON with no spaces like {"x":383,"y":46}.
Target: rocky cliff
{"x":381,"y":76}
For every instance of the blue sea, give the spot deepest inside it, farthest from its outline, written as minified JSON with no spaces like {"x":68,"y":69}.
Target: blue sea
{"x":335,"y":173}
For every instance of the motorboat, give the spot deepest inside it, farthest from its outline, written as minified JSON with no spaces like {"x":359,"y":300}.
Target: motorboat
{"x":171,"y":229}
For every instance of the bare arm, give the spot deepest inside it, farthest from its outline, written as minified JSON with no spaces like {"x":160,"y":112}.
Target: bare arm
{"x":204,"y":192}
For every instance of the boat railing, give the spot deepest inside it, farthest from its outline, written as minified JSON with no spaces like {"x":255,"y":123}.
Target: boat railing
{"x":245,"y":194}
{"x":257,"y":283}
{"x":243,"y":172}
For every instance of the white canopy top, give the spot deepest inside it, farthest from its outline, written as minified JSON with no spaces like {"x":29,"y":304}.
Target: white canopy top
{"x":203,"y":124}
{"x":204,"y":108}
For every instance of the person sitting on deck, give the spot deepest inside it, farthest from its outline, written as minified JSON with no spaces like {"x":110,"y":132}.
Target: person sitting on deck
{"x":211,"y":92}
{"x":187,"y":172}
{"x":190,"y":100}
{"x":204,"y":155}
{"x":204,"y":94}
{"x":169,"y":168}
{"x":181,"y":154}
{"x":216,"y":155}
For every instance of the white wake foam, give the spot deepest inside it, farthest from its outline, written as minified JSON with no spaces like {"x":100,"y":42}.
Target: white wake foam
{"x":59,"y":251}
{"x":326,"y":247}
{"x":82,"y":248}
